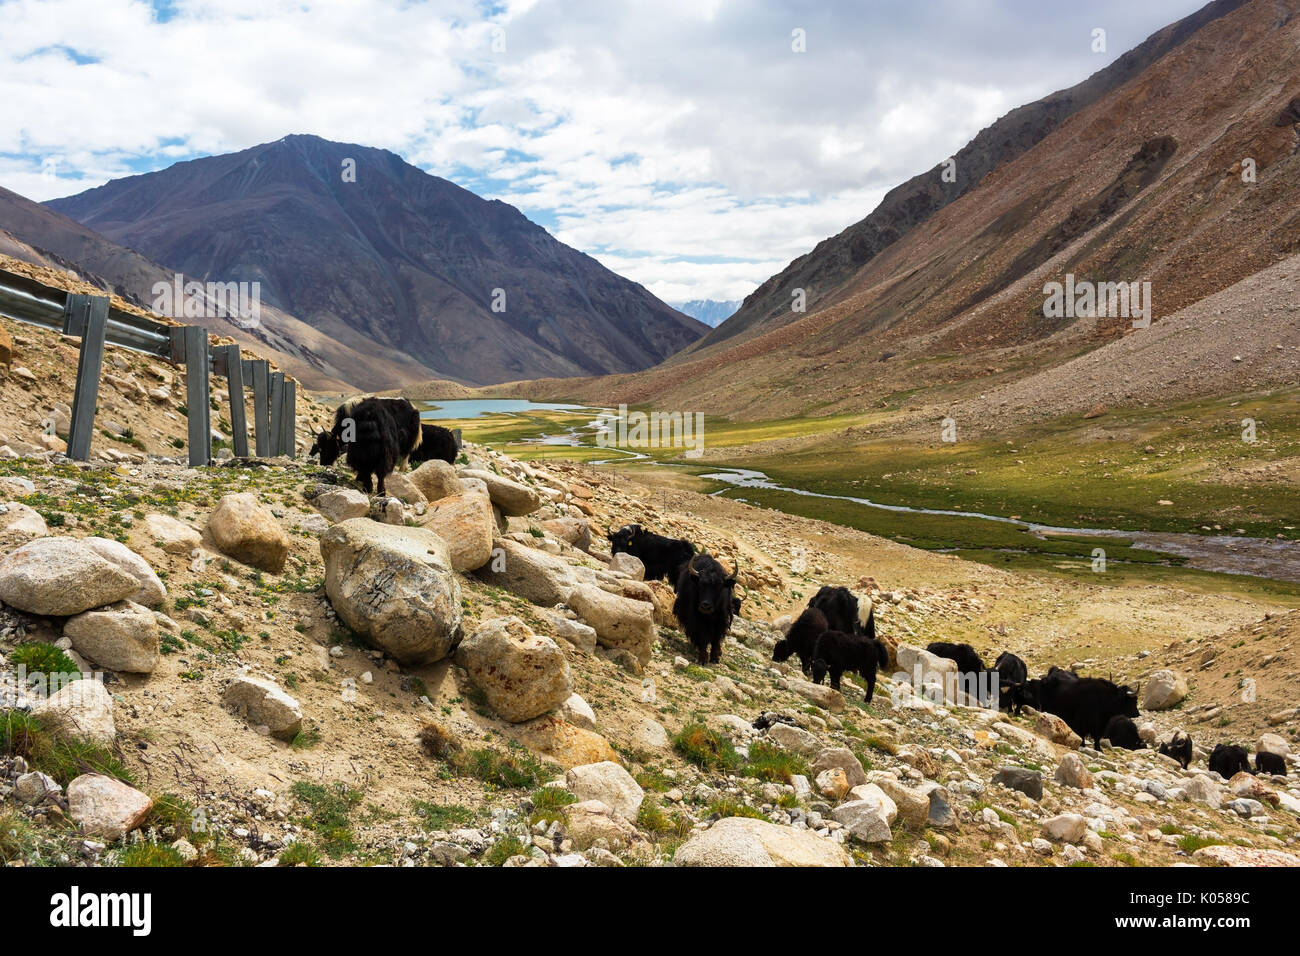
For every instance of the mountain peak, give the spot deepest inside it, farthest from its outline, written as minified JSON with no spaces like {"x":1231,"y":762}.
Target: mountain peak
{"x":469,"y":288}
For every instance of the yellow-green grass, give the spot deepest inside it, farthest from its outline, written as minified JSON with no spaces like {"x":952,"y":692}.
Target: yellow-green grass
{"x":1079,"y":473}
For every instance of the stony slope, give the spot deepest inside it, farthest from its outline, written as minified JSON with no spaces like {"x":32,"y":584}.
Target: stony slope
{"x":408,"y":261}
{"x":386,"y":760}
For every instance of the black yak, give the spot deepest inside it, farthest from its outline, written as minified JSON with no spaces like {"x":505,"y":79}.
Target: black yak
{"x":663,"y":557}
{"x":835,"y":652}
{"x":801,"y":638}
{"x":1011,"y":675}
{"x":1228,"y":760}
{"x":703,"y":605}
{"x":436,"y":442}
{"x":1269,"y":762}
{"x":1025,"y":694}
{"x":1122,"y":732}
{"x":1179,"y":747}
{"x":375,"y":434}
{"x":845,"y":611}
{"x":967,"y":658}
{"x":1086,"y":704}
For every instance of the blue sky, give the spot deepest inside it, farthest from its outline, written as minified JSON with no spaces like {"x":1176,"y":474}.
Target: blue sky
{"x":687,"y":144}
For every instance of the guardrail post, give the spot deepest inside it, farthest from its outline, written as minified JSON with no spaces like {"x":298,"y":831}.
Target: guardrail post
{"x":234,"y":367}
{"x":197,"y":397}
{"x":288,"y":422}
{"x":261,"y":403}
{"x":87,"y":316}
{"x":277,"y":411}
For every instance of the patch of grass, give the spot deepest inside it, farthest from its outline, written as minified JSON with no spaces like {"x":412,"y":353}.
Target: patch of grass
{"x":17,"y":838}
{"x":516,"y":769}
{"x":48,"y":748}
{"x":43,"y":659}
{"x":299,"y":853}
{"x":705,"y":748}
{"x":306,"y":738}
{"x":443,"y":816}
{"x":329,"y":814}
{"x":503,"y":850}
{"x":1190,"y":843}
{"x":549,"y":804}
{"x":653,"y":780}
{"x":733,"y":808}
{"x":169,"y":810}
{"x":652,"y":819}
{"x":145,"y":854}
{"x":773,"y":764}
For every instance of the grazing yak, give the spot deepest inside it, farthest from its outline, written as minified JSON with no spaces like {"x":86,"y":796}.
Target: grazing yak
{"x":1179,"y":747}
{"x":375,"y":435}
{"x":436,"y":442}
{"x":1122,"y":732}
{"x":835,"y":652}
{"x":1025,"y":694}
{"x":801,"y":638}
{"x":1011,"y":674}
{"x":845,"y":611}
{"x":663,"y":557}
{"x":1228,"y":760}
{"x":703,"y":605}
{"x":1086,"y":704}
{"x":1268,"y":762}
{"x":967,"y":658}
{"x":972,"y":676}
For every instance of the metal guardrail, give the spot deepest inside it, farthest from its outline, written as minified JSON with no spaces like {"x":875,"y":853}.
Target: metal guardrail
{"x":92,"y":319}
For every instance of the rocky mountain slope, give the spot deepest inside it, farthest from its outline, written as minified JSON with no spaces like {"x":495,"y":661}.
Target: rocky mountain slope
{"x":1147,"y":182}
{"x":825,"y":272}
{"x":470,"y":289}
{"x":514,"y":694}
{"x":70,"y":253}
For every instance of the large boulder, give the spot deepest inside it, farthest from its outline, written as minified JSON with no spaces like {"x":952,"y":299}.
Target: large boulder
{"x":1164,"y":689}
{"x":151,"y":591}
{"x":514,"y":499}
{"x":843,"y":758}
{"x":522,"y":674}
{"x":562,"y":742}
{"x":436,"y":479}
{"x":120,"y":637}
{"x":570,"y":529}
{"x":83,"y":708}
{"x":401,"y":487}
{"x":619,"y":622}
{"x":743,"y":841}
{"x":591,"y":820}
{"x":394,"y":586}
{"x":528,"y":572}
{"x":865,"y":820}
{"x":263,"y":704}
{"x":106,"y":808}
{"x":244,"y":529}
{"x":1053,"y":728}
{"x":60,"y":577}
{"x":168,"y":533}
{"x":913,"y":803}
{"x":465,"y":523}
{"x":1072,"y":772}
{"x":610,"y":784}
{"x":1273,"y":744}
{"x":19,"y":520}
{"x":795,"y":739}
{"x":340,"y":504}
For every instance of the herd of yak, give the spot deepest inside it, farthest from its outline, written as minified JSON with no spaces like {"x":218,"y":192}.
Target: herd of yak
{"x":836,"y":632}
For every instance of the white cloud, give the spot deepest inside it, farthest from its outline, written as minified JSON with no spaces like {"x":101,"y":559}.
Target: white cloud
{"x":682,"y":143}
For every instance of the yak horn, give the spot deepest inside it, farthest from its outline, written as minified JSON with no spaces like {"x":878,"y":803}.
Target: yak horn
{"x":735,"y":565}
{"x":691,"y":566}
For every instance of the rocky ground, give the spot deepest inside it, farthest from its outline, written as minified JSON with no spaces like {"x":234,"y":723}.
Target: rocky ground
{"x":463,"y":674}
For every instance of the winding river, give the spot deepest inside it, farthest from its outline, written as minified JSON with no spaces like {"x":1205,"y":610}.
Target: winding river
{"x":1227,"y":554}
